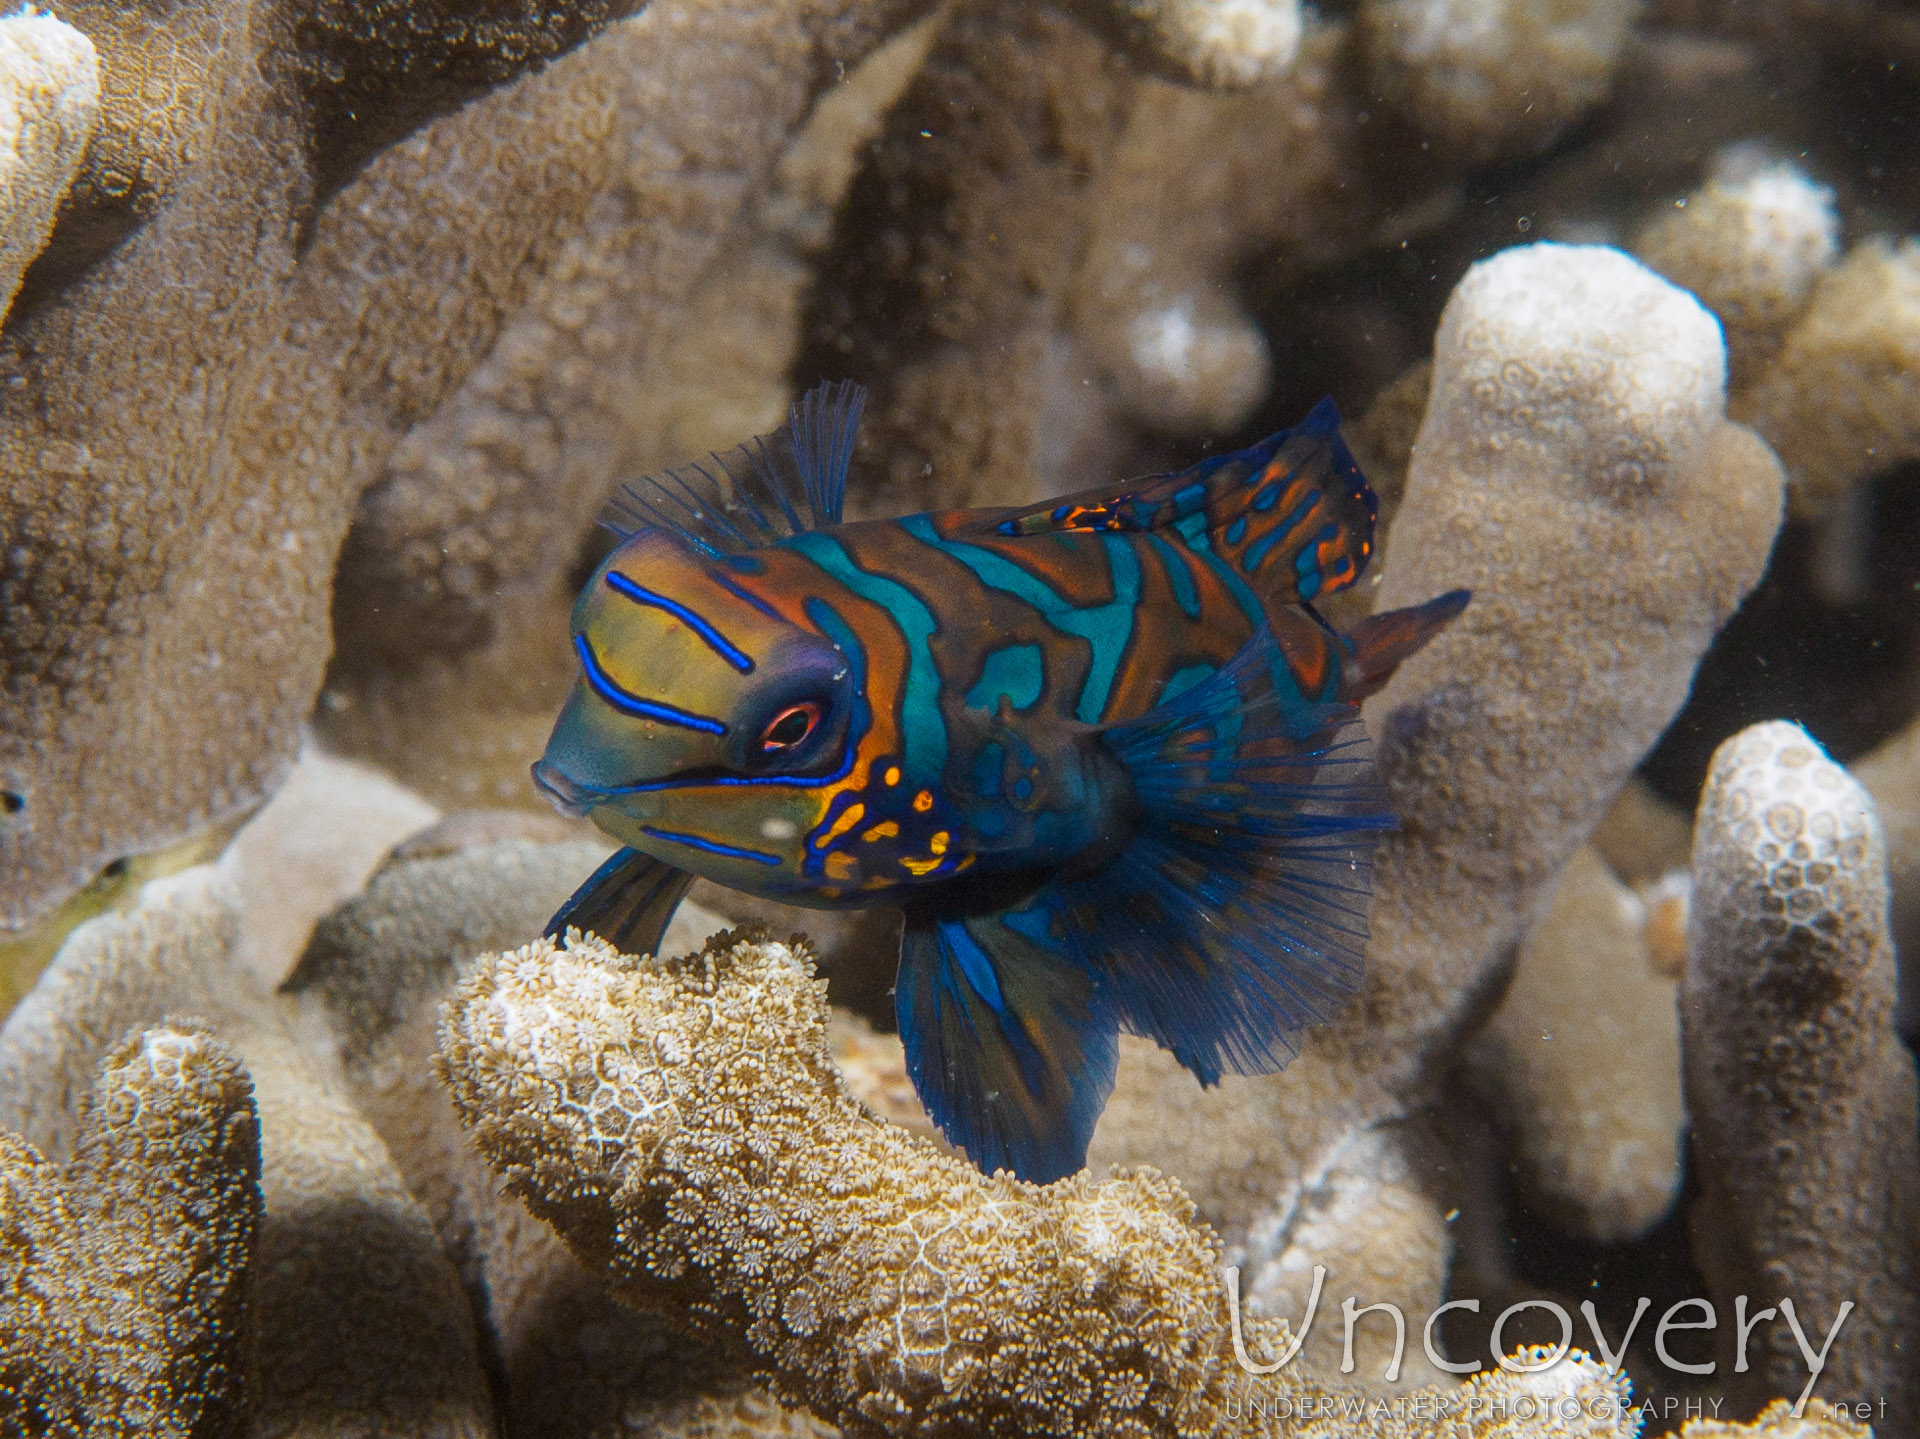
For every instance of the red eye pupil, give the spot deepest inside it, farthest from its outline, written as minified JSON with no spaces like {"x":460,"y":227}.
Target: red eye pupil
{"x":790,"y":726}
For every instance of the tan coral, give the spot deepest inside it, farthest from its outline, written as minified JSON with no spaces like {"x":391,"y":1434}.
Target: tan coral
{"x":156,"y":527}
{"x":1226,"y":43}
{"x":682,"y":1124}
{"x":1199,"y":184}
{"x":354,"y":1311}
{"x":958,"y":240}
{"x":1490,"y":81}
{"x":155,"y":530}
{"x":1582,"y":1060}
{"x":662,"y":329}
{"x":1371,"y":1218}
{"x":124,"y":1271}
{"x":1750,"y":248}
{"x":1041,"y":256}
{"x":1803,"y":1099}
{"x":1841,"y":402}
{"x":1890,"y":772}
{"x":49,"y":104}
{"x":573,"y":1362}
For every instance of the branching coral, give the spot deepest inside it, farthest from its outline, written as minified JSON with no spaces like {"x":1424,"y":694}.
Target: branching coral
{"x":1803,"y":1099}
{"x":1750,"y":248}
{"x":49,"y":103}
{"x":572,"y":1362}
{"x":350,"y":317}
{"x":354,"y":1312}
{"x":154,"y":528}
{"x":123,"y":1272}
{"x":459,"y":571}
{"x":1040,"y":258}
{"x":682,"y":1124}
{"x":1842,"y":401}
{"x":1583,"y":1060}
{"x":1490,"y":81}
{"x":1206,"y":42}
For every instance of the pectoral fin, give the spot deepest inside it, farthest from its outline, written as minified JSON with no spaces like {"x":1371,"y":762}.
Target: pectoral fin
{"x":1008,"y":1042}
{"x":1237,"y":916}
{"x":628,"y":902}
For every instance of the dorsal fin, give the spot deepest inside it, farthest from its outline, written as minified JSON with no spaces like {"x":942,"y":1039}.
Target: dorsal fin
{"x":1293,"y":513}
{"x":756,"y":493}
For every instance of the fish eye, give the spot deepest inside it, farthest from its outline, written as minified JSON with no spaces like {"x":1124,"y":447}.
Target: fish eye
{"x":790,"y":727}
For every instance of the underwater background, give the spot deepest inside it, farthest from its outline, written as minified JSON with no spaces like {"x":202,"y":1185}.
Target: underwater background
{"x":332,"y":328}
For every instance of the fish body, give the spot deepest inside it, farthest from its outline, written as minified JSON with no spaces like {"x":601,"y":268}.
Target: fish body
{"x":1102,"y":752}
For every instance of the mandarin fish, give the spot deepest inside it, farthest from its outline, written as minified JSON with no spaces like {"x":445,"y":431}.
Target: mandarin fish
{"x":1102,"y":752}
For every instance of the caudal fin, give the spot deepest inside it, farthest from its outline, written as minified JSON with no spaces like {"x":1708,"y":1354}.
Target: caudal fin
{"x":1380,"y":642}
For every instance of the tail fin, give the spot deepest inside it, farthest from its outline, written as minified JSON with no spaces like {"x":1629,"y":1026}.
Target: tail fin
{"x":1293,"y":514}
{"x":1380,"y":642}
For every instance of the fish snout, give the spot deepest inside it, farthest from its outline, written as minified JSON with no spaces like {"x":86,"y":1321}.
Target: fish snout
{"x":571,"y":799}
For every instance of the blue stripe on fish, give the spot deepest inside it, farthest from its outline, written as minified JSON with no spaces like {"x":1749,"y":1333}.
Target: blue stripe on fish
{"x":741,"y":593}
{"x":691,"y":618}
{"x":694,"y":841}
{"x":1262,"y":547}
{"x":629,"y":703}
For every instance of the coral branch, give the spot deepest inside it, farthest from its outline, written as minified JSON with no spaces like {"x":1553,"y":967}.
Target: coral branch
{"x":1751,"y":249}
{"x":680,"y":1122}
{"x":1492,"y":81}
{"x":1583,"y":1061}
{"x":1207,"y":42}
{"x":355,"y":1316}
{"x":1841,"y":403}
{"x":49,"y":104}
{"x":1803,"y":1099}
{"x":1575,"y":469}
{"x":123,"y":1273}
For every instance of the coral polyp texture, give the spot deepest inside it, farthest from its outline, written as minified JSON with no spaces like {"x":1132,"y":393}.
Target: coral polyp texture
{"x":124,"y":1270}
{"x":1803,"y":1097}
{"x":49,"y":104}
{"x":682,"y":1124}
{"x":156,"y":527}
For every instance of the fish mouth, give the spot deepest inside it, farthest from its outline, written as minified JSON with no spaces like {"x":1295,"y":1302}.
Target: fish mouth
{"x":572,"y":799}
